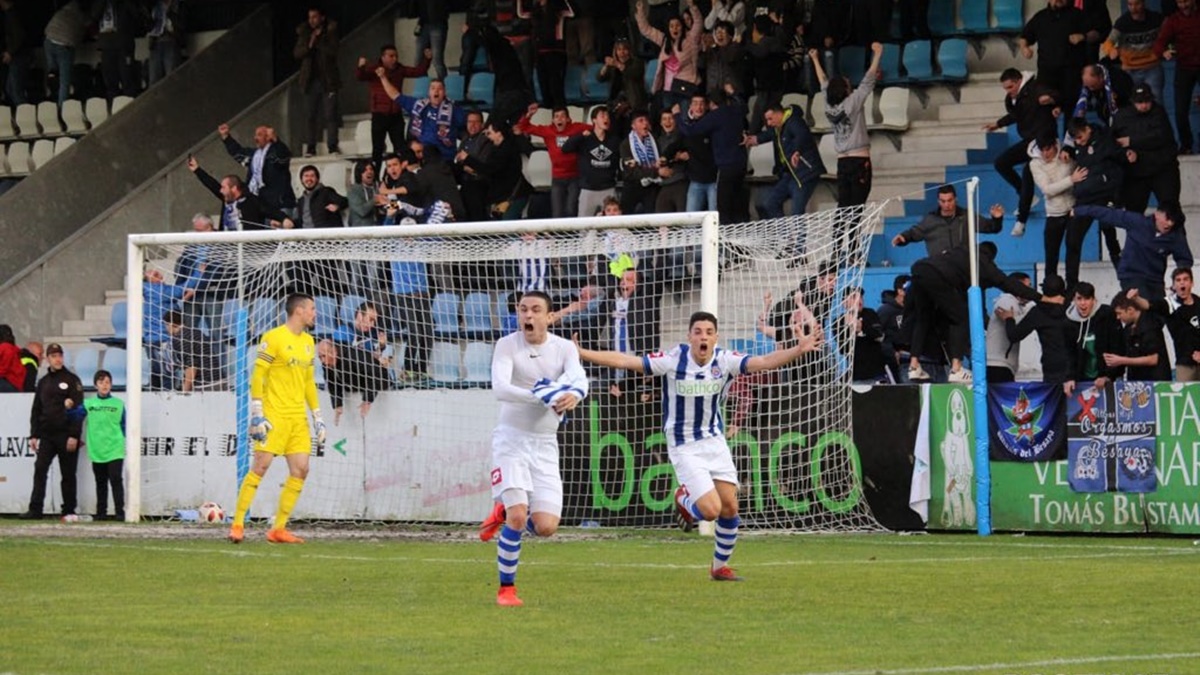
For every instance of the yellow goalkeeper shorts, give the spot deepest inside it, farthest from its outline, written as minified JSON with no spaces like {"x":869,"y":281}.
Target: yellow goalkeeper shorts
{"x":288,"y":436}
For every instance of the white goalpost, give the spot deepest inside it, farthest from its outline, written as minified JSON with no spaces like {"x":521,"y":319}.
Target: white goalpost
{"x":407,"y":316}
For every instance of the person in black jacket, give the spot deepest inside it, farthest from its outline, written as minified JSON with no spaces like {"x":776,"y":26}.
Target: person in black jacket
{"x":1097,"y":151}
{"x":1031,"y":106}
{"x":55,"y":427}
{"x":938,"y":296}
{"x":598,"y":154}
{"x":319,"y":206}
{"x":890,"y":312}
{"x":1145,"y":355}
{"x":870,"y":367}
{"x":268,"y":166}
{"x":1058,"y":31}
{"x":1049,"y":319}
{"x":350,"y":371}
{"x":1182,"y":317}
{"x":31,"y":358}
{"x":1096,"y":332}
{"x":1145,"y":132}
{"x":240,"y":209}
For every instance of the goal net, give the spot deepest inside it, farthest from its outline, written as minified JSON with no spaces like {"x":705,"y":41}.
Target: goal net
{"x":407,"y":317}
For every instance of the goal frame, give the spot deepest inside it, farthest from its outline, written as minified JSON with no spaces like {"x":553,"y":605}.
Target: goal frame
{"x":709,"y":270}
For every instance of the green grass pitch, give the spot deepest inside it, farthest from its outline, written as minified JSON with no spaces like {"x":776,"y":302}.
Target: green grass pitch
{"x":178,"y":599}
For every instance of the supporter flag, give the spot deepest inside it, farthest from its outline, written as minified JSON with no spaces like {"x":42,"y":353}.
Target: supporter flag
{"x":1026,"y":422}
{"x":1111,"y":434}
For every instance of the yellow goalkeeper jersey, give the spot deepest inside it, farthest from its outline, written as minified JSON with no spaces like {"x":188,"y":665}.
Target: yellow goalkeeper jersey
{"x":283,"y":373}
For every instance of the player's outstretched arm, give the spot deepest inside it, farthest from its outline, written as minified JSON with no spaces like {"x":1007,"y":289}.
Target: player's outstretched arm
{"x":610,"y":359}
{"x":810,"y":342}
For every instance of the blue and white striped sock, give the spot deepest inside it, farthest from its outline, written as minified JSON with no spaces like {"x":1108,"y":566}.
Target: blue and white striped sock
{"x":689,"y":503}
{"x":529,"y":528}
{"x":508,"y":554}
{"x":726,"y":539}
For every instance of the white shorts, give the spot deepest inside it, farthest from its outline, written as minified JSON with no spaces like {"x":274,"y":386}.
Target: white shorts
{"x":528,"y":463}
{"x":699,"y":463}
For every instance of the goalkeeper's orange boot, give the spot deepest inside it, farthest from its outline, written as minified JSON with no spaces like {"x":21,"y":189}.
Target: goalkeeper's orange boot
{"x":237,"y":533}
{"x":683,"y":518}
{"x":507,"y":597}
{"x":492,"y":524}
{"x":280,"y":536}
{"x":724,"y":573}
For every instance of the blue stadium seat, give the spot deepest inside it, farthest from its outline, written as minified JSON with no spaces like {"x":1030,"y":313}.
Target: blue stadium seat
{"x":918,"y":61}
{"x":889,"y":63}
{"x":120,"y":319}
{"x":349,"y":306}
{"x":115,"y":362}
{"x":952,"y":57}
{"x":455,"y":84}
{"x":84,"y":361}
{"x":445,"y":315}
{"x":974,"y":17}
{"x":477,"y":362}
{"x":1010,"y":15}
{"x":327,"y":316}
{"x":265,"y":314}
{"x":852,"y":62}
{"x":941,"y":16}
{"x":508,"y":318}
{"x":483,"y":86}
{"x":597,"y":91}
{"x":477,"y":316}
{"x":420,"y":87}
{"x":571,"y":87}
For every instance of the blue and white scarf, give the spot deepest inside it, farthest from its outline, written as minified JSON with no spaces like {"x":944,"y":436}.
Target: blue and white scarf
{"x":645,"y":152}
{"x":444,"y":117}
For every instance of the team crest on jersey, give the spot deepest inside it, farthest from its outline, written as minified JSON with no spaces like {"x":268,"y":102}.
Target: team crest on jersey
{"x":715,"y":370}
{"x":497,"y":476}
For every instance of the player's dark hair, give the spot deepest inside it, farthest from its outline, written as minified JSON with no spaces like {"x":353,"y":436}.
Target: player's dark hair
{"x":1076,"y":126}
{"x":702,"y":316}
{"x":295,"y":300}
{"x":540,"y":295}
{"x":172,"y":317}
{"x":101,"y":374}
{"x":837,"y":91}
{"x":364,"y":307}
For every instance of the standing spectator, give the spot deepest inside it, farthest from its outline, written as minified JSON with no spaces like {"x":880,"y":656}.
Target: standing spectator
{"x":319,"y":205}
{"x":1034,"y":109}
{"x":1058,"y":31}
{"x":63,"y":34}
{"x":387,"y":117}
{"x":635,"y":317}
{"x":502,"y":171}
{"x":1048,"y":318}
{"x":12,"y":371}
{"x":724,"y":123}
{"x":564,"y":166}
{"x":240,"y":209}
{"x":1179,"y":41}
{"x":194,"y":364}
{"x":268,"y":166}
{"x":672,"y":193}
{"x":890,"y":312}
{"x":55,"y":426}
{"x":362,"y":205}
{"x":597,"y":151}
{"x":844,"y":109}
{"x":641,"y":166}
{"x":200,"y":267}
{"x":31,"y":358}
{"x":517,"y":31}
{"x":798,"y":165}
{"x":1144,"y":357}
{"x":349,"y":372}
{"x":1096,"y":332}
{"x":625,"y":73}
{"x":768,"y":52}
{"x":1098,"y":152}
{"x":317,"y":51}
{"x":117,"y":24}
{"x":1148,"y":242}
{"x":434,"y":120}
{"x":1144,"y":130}
{"x":16,"y":53}
{"x":676,"y":77}
{"x":1182,"y":316}
{"x":1003,"y":354}
{"x":166,"y":38}
{"x":104,"y":436}
{"x":547,"y":18}
{"x":1104,"y":92}
{"x":947,"y":227}
{"x":157,"y":299}
{"x":1054,"y":172}
{"x":700,"y":167}
{"x":914,"y":20}
{"x":433,"y":21}
{"x":1132,"y":42}
{"x":867,"y":348}
{"x":1097,"y":24}
{"x":580,"y":35}
{"x":473,"y":186}
{"x":435,"y":181}
{"x":724,"y":60}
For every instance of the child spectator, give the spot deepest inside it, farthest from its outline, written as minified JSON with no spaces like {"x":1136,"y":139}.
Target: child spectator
{"x":104,"y":435}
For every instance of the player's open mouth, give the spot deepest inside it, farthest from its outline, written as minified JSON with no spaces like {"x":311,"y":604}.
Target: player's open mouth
{"x":528,"y":327}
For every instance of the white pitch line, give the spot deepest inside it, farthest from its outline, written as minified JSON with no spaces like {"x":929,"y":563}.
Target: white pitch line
{"x":983,"y":667}
{"x":241,"y":552}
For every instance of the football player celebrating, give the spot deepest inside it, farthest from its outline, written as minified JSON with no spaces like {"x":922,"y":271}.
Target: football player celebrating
{"x":697,"y":377}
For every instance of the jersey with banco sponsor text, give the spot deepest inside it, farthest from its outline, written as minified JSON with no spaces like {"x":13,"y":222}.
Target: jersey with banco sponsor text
{"x":693,"y":394}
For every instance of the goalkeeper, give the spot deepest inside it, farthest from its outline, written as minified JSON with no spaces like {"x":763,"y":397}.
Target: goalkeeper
{"x":280,"y":387}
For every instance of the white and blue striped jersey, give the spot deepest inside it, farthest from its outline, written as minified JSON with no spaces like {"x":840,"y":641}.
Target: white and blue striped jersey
{"x":693,"y":395}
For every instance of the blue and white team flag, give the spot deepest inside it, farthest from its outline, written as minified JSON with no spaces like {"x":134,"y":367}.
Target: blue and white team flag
{"x":1026,"y":422}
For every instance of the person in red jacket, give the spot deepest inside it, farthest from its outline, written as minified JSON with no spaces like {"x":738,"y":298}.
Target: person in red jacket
{"x":1179,"y":41}
{"x":12,"y":371}
{"x":387,"y":118}
{"x":564,"y":166}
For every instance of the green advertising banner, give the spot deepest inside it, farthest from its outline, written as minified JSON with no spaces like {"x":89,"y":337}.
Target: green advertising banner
{"x":1037,"y":497}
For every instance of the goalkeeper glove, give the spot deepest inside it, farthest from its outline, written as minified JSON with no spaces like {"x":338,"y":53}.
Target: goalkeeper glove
{"x":319,"y":427}
{"x":259,"y":425}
